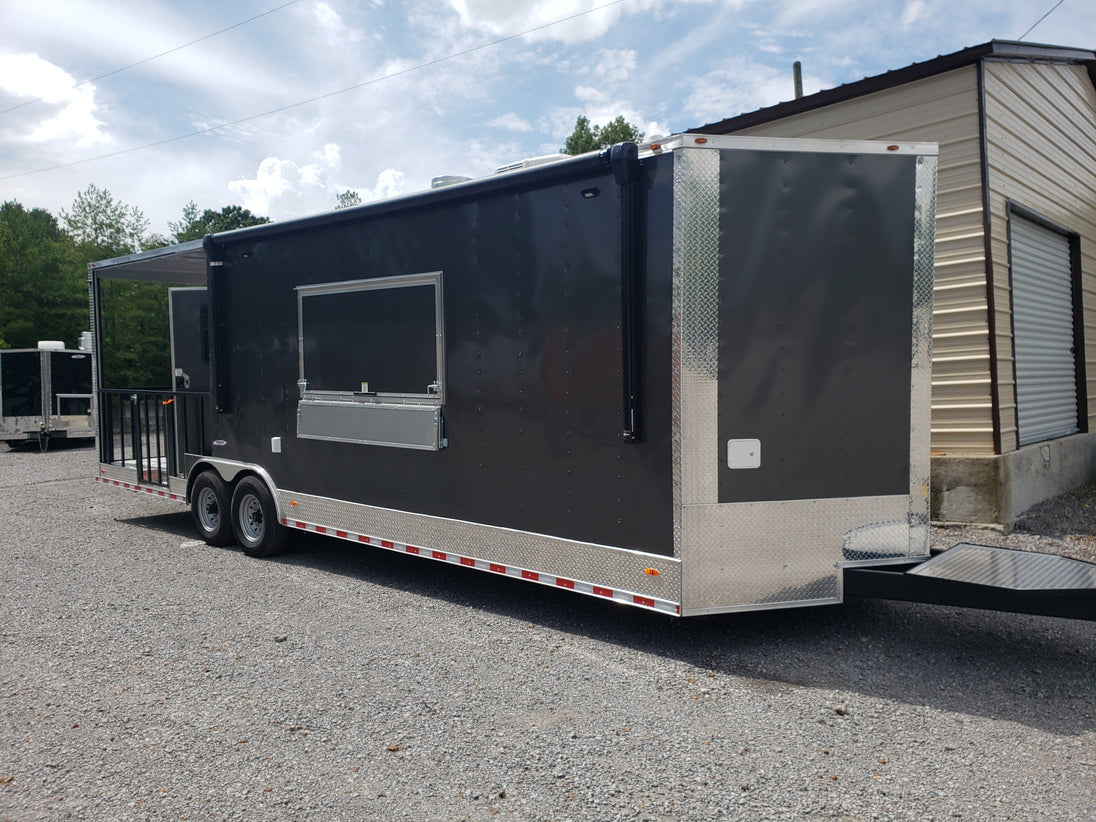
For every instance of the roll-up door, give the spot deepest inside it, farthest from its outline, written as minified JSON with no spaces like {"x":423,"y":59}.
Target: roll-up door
{"x":1043,"y":332}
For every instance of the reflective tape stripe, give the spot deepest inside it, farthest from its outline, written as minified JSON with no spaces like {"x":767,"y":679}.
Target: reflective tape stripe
{"x":624,"y":597}
{"x":141,"y":489}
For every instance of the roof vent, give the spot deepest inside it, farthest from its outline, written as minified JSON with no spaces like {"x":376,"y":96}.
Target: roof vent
{"x":448,"y":180}
{"x":532,"y":162}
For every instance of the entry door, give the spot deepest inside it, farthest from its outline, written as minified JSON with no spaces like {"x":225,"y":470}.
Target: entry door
{"x":189,"y":308}
{"x":1043,"y":332}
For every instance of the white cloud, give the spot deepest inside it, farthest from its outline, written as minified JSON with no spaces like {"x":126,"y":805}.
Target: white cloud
{"x":615,"y":66}
{"x":283,"y":189}
{"x":231,"y":69}
{"x":335,"y":30}
{"x":914,"y":11}
{"x":505,"y":17}
{"x":591,"y":95}
{"x":389,"y":184}
{"x":272,"y":180}
{"x":740,"y":86}
{"x":325,"y":161}
{"x":510,"y":122}
{"x":73,"y":109}
{"x":796,"y":10}
{"x":327,"y":17}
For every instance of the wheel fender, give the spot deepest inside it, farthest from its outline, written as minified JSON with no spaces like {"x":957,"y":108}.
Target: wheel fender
{"x":230,"y":471}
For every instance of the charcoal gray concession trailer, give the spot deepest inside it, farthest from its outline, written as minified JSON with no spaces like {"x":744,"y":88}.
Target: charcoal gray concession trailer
{"x":45,"y":394}
{"x":691,"y":377}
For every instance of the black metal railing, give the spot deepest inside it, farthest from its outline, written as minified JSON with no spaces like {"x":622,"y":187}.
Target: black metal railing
{"x":137,"y":429}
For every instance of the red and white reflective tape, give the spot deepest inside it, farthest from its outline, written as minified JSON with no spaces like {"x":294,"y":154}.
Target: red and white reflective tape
{"x":626,"y":597}
{"x":142,"y":489}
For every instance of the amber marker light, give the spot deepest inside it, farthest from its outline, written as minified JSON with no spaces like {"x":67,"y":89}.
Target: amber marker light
{"x":701,"y":140}
{"x":293,"y":502}
{"x":655,"y":146}
{"x":892,"y":148}
{"x":651,"y":572}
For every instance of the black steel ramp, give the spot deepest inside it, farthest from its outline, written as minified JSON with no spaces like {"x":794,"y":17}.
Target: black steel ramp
{"x":979,"y":576}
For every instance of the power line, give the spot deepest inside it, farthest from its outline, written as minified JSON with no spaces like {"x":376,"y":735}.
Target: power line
{"x":157,"y":56}
{"x":279,"y":110}
{"x":1040,"y":20}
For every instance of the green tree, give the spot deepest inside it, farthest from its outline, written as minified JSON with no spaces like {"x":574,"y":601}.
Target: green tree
{"x":103,"y":227}
{"x":43,"y":286}
{"x":136,"y":340}
{"x":195,"y":225}
{"x":590,"y":138}
{"x":348,"y":199}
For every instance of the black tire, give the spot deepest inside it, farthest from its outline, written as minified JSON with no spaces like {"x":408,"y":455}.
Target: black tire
{"x":209,"y":509}
{"x":255,"y":519}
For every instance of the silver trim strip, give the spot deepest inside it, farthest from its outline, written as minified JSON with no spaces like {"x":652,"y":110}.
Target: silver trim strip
{"x":798,"y":145}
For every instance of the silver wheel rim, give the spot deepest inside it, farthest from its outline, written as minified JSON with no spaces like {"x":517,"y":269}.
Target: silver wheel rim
{"x":251,"y":518}
{"x":209,"y":512}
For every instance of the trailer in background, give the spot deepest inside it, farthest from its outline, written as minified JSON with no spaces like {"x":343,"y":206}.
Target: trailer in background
{"x":45,"y":393}
{"x":692,"y":378}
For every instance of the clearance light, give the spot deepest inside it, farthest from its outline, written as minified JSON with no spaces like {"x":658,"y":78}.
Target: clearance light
{"x":651,"y":572}
{"x":656,"y":146}
{"x":701,"y":140}
{"x":892,"y":148}
{"x":293,"y":502}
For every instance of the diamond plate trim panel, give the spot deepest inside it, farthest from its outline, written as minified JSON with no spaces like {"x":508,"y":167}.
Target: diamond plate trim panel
{"x":781,"y":553}
{"x":696,"y":320}
{"x":598,"y":564}
{"x":924,"y":236}
{"x":1002,"y":568}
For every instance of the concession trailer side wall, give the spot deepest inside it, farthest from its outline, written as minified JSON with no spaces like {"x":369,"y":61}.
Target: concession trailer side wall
{"x":693,"y":378}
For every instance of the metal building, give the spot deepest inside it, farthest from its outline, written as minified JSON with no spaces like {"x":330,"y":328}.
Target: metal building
{"x":1014,"y":341}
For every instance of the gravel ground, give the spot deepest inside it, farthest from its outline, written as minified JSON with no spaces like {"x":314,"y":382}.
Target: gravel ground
{"x":1064,"y":525}
{"x":146,"y":676}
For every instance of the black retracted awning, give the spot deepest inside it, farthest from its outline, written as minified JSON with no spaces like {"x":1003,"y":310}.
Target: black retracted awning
{"x":184,"y":263}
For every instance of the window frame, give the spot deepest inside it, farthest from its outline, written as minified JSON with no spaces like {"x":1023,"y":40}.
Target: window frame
{"x":431,"y":278}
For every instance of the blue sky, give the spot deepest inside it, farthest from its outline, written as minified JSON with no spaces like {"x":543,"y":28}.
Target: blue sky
{"x":436,"y":87}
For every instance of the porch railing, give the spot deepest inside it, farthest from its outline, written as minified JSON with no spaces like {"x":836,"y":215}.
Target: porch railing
{"x":137,"y":429}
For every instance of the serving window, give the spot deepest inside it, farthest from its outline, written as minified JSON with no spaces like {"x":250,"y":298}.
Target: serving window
{"x":371,"y":361}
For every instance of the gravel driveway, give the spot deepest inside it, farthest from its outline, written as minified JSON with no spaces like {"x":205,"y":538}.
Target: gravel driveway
{"x":146,"y":676}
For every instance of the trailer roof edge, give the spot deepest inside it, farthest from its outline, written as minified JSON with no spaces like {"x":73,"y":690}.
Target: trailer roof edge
{"x":581,"y":165}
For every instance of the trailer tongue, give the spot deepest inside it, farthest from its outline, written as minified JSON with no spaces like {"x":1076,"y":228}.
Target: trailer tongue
{"x":980,"y":576}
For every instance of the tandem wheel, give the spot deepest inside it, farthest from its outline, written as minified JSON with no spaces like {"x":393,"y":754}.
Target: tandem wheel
{"x":255,"y":519}
{"x":209,"y":501}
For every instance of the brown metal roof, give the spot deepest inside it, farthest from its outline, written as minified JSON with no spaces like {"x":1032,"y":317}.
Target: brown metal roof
{"x":993,"y":50}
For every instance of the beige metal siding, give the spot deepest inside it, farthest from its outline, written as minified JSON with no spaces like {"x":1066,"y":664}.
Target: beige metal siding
{"x":1041,"y":149}
{"x":941,"y":109}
